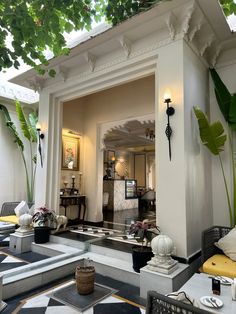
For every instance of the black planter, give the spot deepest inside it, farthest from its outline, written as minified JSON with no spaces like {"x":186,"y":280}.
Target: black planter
{"x":141,"y":255}
{"x":41,"y":234}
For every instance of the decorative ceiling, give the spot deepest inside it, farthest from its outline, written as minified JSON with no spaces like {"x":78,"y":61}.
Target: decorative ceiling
{"x":133,"y":136}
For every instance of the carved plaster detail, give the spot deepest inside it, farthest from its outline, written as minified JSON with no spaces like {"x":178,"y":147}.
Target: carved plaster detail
{"x":197,"y":27}
{"x":125,"y":44}
{"x":91,"y":59}
{"x":216,"y":55}
{"x":171,"y":22}
{"x":187,"y":18}
{"x":63,"y":72}
{"x":13,"y":91}
{"x":207,"y":43}
{"x":105,"y":128}
{"x":37,"y":83}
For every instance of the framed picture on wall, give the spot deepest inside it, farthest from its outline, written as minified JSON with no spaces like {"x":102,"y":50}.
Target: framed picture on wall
{"x":70,"y":153}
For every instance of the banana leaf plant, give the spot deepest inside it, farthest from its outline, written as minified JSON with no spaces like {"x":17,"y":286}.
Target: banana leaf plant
{"x":28,"y":129}
{"x":227,"y":105}
{"x":213,"y":137}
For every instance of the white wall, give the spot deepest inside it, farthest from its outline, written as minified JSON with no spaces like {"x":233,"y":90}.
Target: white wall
{"x":129,"y":100}
{"x":12,"y":174}
{"x":197,"y":156}
{"x":220,"y":207}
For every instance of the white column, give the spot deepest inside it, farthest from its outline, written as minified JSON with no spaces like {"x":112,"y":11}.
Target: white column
{"x":47,"y":177}
{"x":171,"y":207}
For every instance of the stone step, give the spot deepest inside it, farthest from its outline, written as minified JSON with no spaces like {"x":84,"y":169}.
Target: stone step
{"x":34,"y":275}
{"x":53,"y":249}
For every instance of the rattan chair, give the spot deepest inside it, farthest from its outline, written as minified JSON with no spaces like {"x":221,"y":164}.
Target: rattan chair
{"x":209,"y":237}
{"x":160,"y":304}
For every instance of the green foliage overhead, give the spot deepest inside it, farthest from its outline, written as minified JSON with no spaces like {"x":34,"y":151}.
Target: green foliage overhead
{"x":119,"y":10}
{"x":228,"y":6}
{"x":37,"y":25}
{"x":212,"y":135}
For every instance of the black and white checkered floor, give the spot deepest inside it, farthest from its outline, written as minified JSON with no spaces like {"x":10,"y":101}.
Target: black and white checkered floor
{"x":110,"y":234}
{"x":45,"y":303}
{"x":9,"y":262}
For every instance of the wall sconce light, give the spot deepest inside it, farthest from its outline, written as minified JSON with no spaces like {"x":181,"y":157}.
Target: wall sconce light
{"x":169,"y":111}
{"x":40,"y":137}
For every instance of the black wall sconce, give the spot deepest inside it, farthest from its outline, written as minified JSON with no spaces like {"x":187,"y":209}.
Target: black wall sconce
{"x":40,"y":137}
{"x":169,"y":111}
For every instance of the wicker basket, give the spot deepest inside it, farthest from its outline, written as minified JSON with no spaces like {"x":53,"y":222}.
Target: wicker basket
{"x":85,"y":277}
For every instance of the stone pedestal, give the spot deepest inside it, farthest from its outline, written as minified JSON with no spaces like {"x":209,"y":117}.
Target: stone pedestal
{"x":21,"y":242}
{"x":163,"y":283}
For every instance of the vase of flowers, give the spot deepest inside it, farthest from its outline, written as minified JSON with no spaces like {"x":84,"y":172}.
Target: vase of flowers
{"x":143,"y":231}
{"x":44,"y":220}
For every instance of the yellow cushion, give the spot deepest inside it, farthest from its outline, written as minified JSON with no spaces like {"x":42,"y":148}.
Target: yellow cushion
{"x":220,"y":265}
{"x":12,"y":219}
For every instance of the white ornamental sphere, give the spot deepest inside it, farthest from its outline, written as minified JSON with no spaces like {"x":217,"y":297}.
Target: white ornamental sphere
{"x":25,"y":220}
{"x":162,"y":245}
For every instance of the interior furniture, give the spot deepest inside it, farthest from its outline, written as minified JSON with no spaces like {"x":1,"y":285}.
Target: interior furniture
{"x":214,"y":261}
{"x":200,"y":285}
{"x":78,"y":200}
{"x":7,"y":213}
{"x":159,"y":303}
{"x":147,"y":201}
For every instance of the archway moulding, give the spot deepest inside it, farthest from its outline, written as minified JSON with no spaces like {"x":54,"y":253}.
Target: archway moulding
{"x":105,"y":127}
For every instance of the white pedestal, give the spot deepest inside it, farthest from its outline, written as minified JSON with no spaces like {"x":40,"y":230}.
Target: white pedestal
{"x":162,"y":283}
{"x":21,"y":243}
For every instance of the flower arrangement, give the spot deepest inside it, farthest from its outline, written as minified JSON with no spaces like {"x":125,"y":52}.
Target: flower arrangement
{"x":144,"y":231}
{"x":44,"y":217}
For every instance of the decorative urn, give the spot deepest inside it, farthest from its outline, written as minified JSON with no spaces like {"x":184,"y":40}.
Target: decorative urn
{"x":162,"y":247}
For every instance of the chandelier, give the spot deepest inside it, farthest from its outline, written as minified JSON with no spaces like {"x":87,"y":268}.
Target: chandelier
{"x":150,"y":134}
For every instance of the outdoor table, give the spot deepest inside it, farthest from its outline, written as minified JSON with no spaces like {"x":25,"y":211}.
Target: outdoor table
{"x":200,"y":285}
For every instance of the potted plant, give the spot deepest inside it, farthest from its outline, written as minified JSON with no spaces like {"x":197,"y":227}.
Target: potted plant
{"x":44,"y":220}
{"x":143,"y":232}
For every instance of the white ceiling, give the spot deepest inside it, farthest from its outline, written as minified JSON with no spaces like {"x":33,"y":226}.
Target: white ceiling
{"x":131,"y":137}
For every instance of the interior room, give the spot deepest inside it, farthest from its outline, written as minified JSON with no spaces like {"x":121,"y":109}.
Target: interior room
{"x":126,"y":150}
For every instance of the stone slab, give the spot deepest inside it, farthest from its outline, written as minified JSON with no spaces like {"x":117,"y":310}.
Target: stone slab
{"x":70,"y":296}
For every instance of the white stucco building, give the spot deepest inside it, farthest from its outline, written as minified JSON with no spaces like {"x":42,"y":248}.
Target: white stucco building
{"x":122,"y":74}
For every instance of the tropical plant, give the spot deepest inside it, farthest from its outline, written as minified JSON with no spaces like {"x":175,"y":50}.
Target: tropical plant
{"x":28,"y":128}
{"x":144,"y":231}
{"x":213,"y":137}
{"x":227,"y":105}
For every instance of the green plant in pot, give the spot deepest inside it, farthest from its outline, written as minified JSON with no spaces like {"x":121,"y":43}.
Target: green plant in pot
{"x":44,"y":220}
{"x":143,"y":231}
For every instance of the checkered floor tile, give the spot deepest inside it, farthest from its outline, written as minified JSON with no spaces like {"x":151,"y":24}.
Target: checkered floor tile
{"x":45,"y":304}
{"x":9,"y":262}
{"x":110,"y":234}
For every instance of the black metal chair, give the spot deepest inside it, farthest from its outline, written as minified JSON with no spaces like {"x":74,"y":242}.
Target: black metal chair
{"x":160,"y":304}
{"x":209,"y":237}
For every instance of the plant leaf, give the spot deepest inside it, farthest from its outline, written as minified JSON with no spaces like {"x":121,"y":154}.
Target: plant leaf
{"x":11,"y":126}
{"x":23,"y":122}
{"x":212,"y":136}
{"x":232,"y":113}
{"x":33,"y":119}
{"x":223,"y":96}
